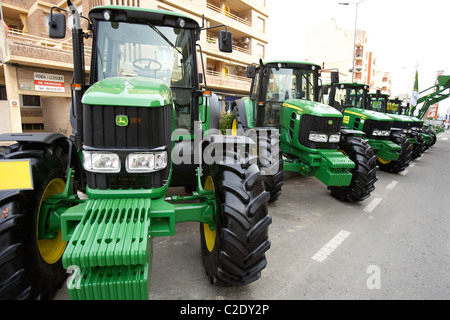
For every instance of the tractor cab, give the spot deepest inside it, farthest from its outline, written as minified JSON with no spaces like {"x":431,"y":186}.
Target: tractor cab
{"x":280,"y":82}
{"x":345,"y":95}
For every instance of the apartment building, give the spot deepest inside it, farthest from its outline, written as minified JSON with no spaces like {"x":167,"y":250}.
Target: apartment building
{"x":36,"y":72}
{"x":336,"y":48}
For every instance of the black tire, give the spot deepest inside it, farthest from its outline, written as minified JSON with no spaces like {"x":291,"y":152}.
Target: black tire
{"x":363,"y":175}
{"x":419,"y":147}
{"x":271,"y":162}
{"x":405,"y":155}
{"x":236,"y":255}
{"x":24,"y":274}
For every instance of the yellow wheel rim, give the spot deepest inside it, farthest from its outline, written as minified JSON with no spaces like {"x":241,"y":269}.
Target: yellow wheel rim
{"x":234,"y":127}
{"x":383,"y":161}
{"x":210,"y":235}
{"x":51,"y":250}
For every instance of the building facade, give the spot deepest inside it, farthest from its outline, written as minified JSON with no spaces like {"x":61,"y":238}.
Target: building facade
{"x":335,"y":48}
{"x":36,"y":71}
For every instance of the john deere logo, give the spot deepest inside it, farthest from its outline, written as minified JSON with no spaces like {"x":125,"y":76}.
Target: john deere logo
{"x":121,"y":121}
{"x":330,"y":122}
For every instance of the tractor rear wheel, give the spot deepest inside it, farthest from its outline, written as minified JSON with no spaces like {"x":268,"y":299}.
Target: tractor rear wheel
{"x":363,"y":175}
{"x":405,"y":155}
{"x":234,"y":252}
{"x":31,"y":268}
{"x":271,"y":162}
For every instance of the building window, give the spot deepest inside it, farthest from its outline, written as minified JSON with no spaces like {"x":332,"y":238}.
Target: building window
{"x":31,"y":127}
{"x":3,"y":93}
{"x":260,"y":50}
{"x":261,"y":24}
{"x":29,"y":101}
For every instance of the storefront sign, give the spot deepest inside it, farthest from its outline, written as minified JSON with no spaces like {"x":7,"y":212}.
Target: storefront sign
{"x":48,"y":82}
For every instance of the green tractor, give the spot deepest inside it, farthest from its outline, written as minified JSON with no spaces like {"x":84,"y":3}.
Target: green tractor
{"x":410,"y":127}
{"x":91,"y":204}
{"x":390,"y":145}
{"x":429,"y":137}
{"x":297,"y":133}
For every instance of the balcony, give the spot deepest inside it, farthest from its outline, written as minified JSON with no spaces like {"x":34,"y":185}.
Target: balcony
{"x":219,"y":80}
{"x":228,"y":14}
{"x":27,"y":48}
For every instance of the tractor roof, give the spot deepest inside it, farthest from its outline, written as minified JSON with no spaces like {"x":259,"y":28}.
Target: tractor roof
{"x":139,"y":15}
{"x":292,"y":64}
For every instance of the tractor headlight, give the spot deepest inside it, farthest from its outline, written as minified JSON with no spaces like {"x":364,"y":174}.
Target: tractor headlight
{"x":146,"y":161}
{"x":318,"y":137}
{"x":381,"y":133}
{"x":140,"y":162}
{"x":334,"y":138}
{"x":406,"y":131}
{"x":101,"y":161}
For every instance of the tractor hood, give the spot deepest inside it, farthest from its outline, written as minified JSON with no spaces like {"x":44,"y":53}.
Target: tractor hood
{"x":126,"y":91}
{"x":400,"y":118}
{"x":367,"y":114}
{"x":312,"y":108}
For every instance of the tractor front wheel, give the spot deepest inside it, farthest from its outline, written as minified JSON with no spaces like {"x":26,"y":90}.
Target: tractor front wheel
{"x":234,"y":249}
{"x":363,"y":174}
{"x":405,"y":155}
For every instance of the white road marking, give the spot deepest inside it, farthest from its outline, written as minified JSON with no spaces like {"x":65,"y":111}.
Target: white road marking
{"x":404,"y":172}
{"x":444,"y":138}
{"x":372,"y":204}
{"x":327,"y":249}
{"x":391,"y":185}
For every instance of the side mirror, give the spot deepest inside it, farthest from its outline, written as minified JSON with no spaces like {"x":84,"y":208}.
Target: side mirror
{"x":334,"y":77}
{"x":251,"y":71}
{"x":57,"y":26}
{"x":225,"y":41}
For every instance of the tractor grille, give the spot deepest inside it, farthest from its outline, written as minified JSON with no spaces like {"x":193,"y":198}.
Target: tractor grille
{"x":147,"y":129}
{"x":310,"y":123}
{"x":370,"y":125}
{"x":403,"y":125}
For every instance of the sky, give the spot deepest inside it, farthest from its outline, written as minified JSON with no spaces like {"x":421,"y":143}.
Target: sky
{"x":403,"y":34}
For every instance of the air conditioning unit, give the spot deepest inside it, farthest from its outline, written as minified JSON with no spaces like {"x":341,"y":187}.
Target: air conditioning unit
{"x":245,"y":40}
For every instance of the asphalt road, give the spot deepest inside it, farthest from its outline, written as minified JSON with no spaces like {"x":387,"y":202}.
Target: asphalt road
{"x":393,"y":245}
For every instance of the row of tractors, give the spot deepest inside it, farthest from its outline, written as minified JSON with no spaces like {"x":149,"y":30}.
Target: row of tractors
{"x":89,"y":205}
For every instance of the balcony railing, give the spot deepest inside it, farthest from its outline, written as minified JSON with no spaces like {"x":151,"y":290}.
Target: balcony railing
{"x":228,"y":14}
{"x":65,"y":46}
{"x":221,"y":75}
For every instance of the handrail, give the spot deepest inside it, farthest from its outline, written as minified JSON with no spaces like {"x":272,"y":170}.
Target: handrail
{"x":227,"y":14}
{"x":63,"y":45}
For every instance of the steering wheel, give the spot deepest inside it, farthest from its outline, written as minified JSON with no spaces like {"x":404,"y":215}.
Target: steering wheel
{"x":147,"y":67}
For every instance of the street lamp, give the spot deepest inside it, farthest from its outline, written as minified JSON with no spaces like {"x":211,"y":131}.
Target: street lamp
{"x":354,"y":36}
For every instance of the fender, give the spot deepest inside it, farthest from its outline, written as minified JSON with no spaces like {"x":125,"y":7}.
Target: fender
{"x":244,"y":107}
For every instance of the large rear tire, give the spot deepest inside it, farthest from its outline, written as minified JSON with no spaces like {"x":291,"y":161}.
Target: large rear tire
{"x":363,"y":175}
{"x":234,"y":253}
{"x":31,"y":268}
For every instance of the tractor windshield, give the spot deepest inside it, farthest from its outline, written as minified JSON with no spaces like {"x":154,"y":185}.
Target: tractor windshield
{"x":130,"y":50}
{"x":348,"y":98}
{"x":379,"y":105}
{"x":290,"y":84}
{"x":283,"y":84}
